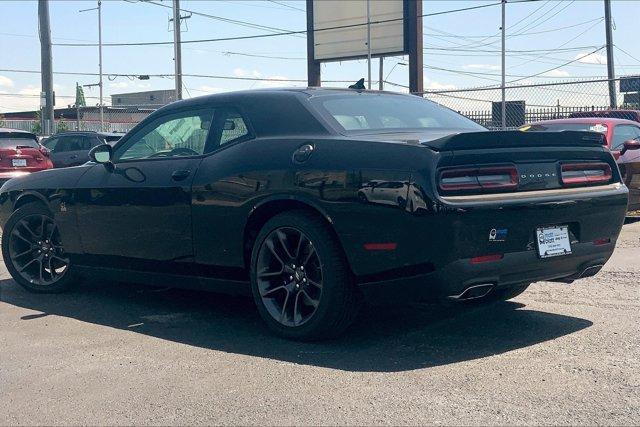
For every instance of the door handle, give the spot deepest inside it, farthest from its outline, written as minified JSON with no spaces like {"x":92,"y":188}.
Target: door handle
{"x":179,"y":175}
{"x":73,"y":157}
{"x":303,"y":153}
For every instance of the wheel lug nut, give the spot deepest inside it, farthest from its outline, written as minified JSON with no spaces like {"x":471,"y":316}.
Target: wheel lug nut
{"x":302,"y":267}
{"x":293,"y":266}
{"x":290,"y":277}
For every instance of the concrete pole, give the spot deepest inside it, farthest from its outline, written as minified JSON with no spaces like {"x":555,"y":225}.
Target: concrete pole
{"x":503,"y":105}
{"x":369,"y":43}
{"x":46,"y":66}
{"x":381,"y":79}
{"x":177,"y":51}
{"x":611,"y":74}
{"x":100,"y":63}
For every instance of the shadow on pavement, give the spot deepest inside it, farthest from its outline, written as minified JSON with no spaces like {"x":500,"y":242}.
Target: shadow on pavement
{"x":382,"y":340}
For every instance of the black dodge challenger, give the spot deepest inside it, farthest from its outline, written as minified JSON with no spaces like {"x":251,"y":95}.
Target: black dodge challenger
{"x":313,"y":200}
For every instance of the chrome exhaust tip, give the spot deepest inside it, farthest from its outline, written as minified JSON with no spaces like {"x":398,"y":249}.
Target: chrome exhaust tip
{"x":474,"y":292}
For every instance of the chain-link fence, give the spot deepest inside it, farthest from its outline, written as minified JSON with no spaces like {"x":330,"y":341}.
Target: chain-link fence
{"x":532,"y":102}
{"x":117,"y":120}
{"x":525,"y":103}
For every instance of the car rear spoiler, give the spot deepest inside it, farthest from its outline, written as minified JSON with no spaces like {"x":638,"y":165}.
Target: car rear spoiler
{"x":510,"y":139}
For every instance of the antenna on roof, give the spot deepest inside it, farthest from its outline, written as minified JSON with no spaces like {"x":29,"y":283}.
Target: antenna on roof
{"x":359,"y":85}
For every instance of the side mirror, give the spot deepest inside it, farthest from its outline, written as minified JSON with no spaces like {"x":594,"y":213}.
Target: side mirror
{"x":632,"y":144}
{"x":102,"y":154}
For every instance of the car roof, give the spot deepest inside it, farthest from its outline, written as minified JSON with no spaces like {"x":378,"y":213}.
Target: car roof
{"x":87,"y":132}
{"x":19,"y":132}
{"x":608,"y":120}
{"x":308,"y":92}
{"x":8,"y":130}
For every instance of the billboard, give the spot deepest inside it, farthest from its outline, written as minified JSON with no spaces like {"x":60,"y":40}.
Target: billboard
{"x":340,"y":30}
{"x":630,"y":84}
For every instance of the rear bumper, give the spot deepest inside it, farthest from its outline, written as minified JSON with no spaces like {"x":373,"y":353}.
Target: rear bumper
{"x":514,"y":268}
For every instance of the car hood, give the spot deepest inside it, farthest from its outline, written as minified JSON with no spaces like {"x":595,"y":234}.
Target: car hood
{"x":50,"y":178}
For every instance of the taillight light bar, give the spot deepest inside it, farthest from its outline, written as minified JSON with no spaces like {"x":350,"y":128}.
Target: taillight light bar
{"x":576,"y":174}
{"x":490,"y":178}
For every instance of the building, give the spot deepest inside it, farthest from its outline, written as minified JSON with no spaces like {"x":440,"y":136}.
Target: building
{"x":151,"y":98}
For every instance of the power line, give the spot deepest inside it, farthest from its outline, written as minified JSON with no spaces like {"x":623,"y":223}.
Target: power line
{"x":559,"y":66}
{"x":205,"y":76}
{"x":283,"y":33}
{"x":286,"y":5}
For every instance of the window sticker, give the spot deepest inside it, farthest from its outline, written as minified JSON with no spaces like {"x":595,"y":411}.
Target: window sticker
{"x":598,"y":128}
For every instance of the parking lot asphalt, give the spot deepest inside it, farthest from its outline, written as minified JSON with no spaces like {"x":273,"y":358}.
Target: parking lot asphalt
{"x":111,"y":353}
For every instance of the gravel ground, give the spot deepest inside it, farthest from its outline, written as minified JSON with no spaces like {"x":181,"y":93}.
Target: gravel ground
{"x":123,"y":354}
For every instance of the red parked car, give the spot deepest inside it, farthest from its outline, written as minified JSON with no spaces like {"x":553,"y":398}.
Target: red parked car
{"x":20,"y":153}
{"x":622,"y":138}
{"x":633,"y":115}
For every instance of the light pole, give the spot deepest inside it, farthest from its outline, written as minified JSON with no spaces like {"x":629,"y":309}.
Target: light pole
{"x":99,"y":9}
{"x":503,"y":106}
{"x":369,"y":42}
{"x":177,"y":50}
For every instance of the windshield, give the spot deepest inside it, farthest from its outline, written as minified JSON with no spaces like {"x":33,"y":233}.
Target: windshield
{"x":13,"y":143}
{"x":366,"y":112}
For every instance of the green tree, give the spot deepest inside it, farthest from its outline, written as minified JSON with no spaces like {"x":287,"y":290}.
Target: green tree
{"x":36,"y":127}
{"x":62,"y":125}
{"x":2,"y":122}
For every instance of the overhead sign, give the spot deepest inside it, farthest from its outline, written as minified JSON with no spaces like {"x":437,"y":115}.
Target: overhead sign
{"x":340,"y":28}
{"x":630,"y":84}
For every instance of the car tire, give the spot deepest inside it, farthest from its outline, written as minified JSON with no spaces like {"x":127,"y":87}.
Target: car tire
{"x":289,"y":299}
{"x":33,"y":253}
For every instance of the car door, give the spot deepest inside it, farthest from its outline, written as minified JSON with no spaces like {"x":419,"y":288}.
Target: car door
{"x":629,"y":162}
{"x":141,"y":208}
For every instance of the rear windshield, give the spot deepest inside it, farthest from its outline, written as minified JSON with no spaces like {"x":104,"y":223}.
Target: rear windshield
{"x":556,"y":127}
{"x":13,"y":142}
{"x":383,"y":112}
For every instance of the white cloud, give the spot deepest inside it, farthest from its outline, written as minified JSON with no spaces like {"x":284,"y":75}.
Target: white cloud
{"x":483,"y":67}
{"x":6,"y":81}
{"x":239,"y":72}
{"x":591,"y":58}
{"x":211,"y":89}
{"x":433,"y":85}
{"x":30,"y":90}
{"x":275,"y":81}
{"x":556,"y":73}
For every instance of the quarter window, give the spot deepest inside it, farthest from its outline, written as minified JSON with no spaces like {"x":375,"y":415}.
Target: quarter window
{"x":624,"y":133}
{"x":234,"y":127}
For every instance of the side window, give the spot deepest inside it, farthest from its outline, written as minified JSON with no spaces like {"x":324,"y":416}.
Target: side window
{"x":86,"y":143}
{"x":623,"y":133}
{"x":234,"y":127}
{"x":177,"y":134}
{"x":51,"y":143}
{"x":63,"y":145}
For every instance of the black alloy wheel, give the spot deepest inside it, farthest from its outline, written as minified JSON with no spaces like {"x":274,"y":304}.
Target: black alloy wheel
{"x":33,"y":251}
{"x":289,"y":275}
{"x":300,"y":278}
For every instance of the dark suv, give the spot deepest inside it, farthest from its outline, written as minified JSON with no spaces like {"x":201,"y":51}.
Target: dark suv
{"x":72,"y":148}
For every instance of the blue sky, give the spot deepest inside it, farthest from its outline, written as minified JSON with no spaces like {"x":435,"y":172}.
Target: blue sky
{"x":461,"y":48}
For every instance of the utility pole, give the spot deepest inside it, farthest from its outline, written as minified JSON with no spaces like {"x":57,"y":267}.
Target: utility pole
{"x":99,"y":84}
{"x":46,"y":66}
{"x":177,"y":51}
{"x":381,"y":78}
{"x":100,"y":63}
{"x":369,"y":42}
{"x":611,"y":74}
{"x":503,"y":105}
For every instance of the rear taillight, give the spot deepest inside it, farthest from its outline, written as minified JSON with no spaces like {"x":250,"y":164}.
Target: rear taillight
{"x":576,"y":174}
{"x":491,"y":178}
